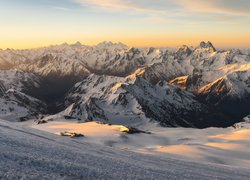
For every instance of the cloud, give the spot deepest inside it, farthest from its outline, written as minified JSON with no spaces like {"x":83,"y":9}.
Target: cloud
{"x":141,"y":6}
{"x":160,"y":6}
{"x":232,"y":7}
{"x":176,"y":10}
{"x":111,"y":4}
{"x":61,"y":8}
{"x":241,"y":7}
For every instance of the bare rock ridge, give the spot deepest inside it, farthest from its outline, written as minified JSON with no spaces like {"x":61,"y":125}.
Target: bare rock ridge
{"x":209,"y":46}
{"x":111,"y":82}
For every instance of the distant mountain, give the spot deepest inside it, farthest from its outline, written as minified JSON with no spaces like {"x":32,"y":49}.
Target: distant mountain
{"x":116,"y":83}
{"x":79,"y":60}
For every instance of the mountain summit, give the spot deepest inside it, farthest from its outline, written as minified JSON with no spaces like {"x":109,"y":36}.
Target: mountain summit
{"x":207,"y":46}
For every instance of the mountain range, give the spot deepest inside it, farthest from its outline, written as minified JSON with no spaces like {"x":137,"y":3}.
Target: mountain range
{"x":189,"y":86}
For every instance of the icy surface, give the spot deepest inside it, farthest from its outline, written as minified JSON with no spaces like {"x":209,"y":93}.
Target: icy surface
{"x":31,"y":154}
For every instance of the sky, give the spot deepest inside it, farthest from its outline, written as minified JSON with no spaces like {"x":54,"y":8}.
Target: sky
{"x":169,"y":23}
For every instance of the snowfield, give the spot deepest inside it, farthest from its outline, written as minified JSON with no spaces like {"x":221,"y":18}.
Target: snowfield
{"x":28,"y":153}
{"x":212,"y":145}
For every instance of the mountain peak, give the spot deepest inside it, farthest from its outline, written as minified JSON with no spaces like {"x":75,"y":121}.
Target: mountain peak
{"x":184,"y":50}
{"x":78,"y":43}
{"x":108,"y":44}
{"x":63,"y":44}
{"x":208,"y":46}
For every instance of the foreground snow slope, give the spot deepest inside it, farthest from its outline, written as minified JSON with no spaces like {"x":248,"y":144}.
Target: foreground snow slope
{"x":32,"y":154}
{"x":226,"y":146}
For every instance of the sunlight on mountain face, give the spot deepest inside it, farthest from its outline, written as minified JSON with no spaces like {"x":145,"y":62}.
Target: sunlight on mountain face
{"x":137,"y":73}
{"x":218,"y":86}
{"x":179,"y":81}
{"x":235,"y":68}
{"x":129,"y":78}
{"x":117,"y":86}
{"x":213,"y":54}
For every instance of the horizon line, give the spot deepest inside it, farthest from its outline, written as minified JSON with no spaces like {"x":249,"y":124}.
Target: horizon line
{"x":119,"y":42}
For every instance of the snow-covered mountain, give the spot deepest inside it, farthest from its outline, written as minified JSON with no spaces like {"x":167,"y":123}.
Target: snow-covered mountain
{"x":15,"y":104}
{"x":128,"y":84}
{"x":18,"y":80}
{"x":133,"y":100}
{"x":120,"y":60}
{"x":105,"y":58}
{"x":230,"y":93}
{"x":103,"y":98}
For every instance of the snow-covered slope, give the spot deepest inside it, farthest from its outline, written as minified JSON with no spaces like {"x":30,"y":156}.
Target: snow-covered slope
{"x":230,"y":93}
{"x":233,"y":84}
{"x":15,"y":104}
{"x":27,"y":153}
{"x":103,"y":98}
{"x":18,"y":80}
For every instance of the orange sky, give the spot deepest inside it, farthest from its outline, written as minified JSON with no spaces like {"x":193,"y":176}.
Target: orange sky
{"x":31,"y":24}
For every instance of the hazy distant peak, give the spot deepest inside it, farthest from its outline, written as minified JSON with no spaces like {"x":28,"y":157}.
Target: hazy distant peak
{"x":207,"y":45}
{"x":78,"y":44}
{"x":64,"y":44}
{"x":108,"y":44}
{"x":184,"y":49}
